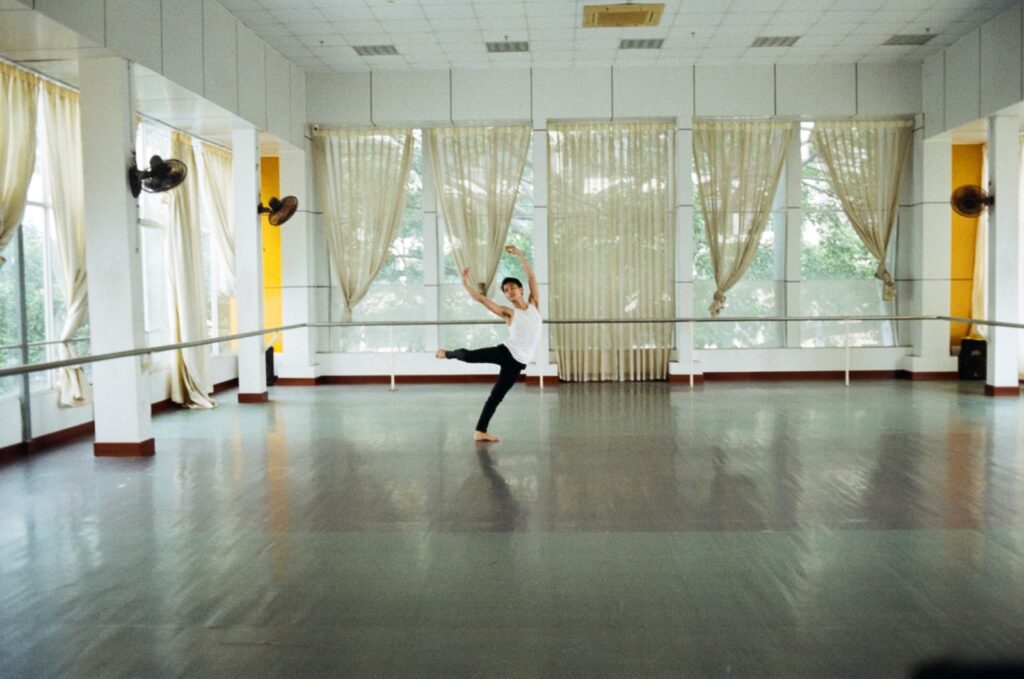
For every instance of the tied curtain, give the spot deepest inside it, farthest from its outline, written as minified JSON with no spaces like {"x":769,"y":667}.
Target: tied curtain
{"x":215,"y":196}
{"x":865,"y":162}
{"x":60,"y":113}
{"x":361,"y":175}
{"x":477,"y":171}
{"x":190,"y":373}
{"x":738,"y":165}
{"x":611,"y":240}
{"x":18,"y":97}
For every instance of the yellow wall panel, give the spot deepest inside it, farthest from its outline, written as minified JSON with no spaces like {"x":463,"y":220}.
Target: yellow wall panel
{"x":270,"y":187}
{"x":967,"y":162}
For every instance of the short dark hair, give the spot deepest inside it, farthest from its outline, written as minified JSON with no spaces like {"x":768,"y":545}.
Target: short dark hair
{"x":514,"y":281}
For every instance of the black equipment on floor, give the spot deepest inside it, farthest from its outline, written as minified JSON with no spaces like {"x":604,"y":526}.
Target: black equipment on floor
{"x":971,"y":361}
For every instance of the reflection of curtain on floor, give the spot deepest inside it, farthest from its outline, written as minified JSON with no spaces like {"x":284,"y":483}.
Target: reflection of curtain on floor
{"x":611,"y":248}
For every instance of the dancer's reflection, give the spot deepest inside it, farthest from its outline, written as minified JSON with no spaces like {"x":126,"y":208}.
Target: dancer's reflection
{"x":507,"y":508}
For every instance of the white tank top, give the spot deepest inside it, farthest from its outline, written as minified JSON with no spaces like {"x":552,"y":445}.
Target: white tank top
{"x":524,"y":334}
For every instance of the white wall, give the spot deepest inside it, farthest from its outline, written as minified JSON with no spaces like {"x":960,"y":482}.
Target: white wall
{"x":620,"y":93}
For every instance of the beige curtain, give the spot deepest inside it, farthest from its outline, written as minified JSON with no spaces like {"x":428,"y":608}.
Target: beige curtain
{"x":361,"y":175}
{"x":190,"y":373}
{"x":611,"y":248}
{"x":865,"y":162}
{"x":62,"y":121}
{"x":477,"y":172}
{"x":18,"y":95}
{"x":216,"y":198}
{"x":738,"y":165}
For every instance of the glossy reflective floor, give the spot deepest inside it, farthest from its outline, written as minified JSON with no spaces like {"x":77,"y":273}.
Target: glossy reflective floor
{"x":620,"y":530}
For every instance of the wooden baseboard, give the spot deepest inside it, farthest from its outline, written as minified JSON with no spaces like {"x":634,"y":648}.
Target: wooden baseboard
{"x":1001,"y":391}
{"x":685,"y":379}
{"x":261,"y":397}
{"x":145,"y":448}
{"x":927,"y":376}
{"x":225,"y":385}
{"x":297,"y":381}
{"x":549,"y":381}
{"x":161,"y":406}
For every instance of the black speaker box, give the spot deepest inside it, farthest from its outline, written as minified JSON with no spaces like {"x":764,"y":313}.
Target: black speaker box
{"x":971,"y":361}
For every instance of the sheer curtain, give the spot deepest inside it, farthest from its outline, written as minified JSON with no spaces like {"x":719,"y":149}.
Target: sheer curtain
{"x":62,"y":121}
{"x":361,"y":176}
{"x":190,"y":372}
{"x":611,"y":236}
{"x":18,"y":95}
{"x":215,"y":197}
{"x":477,"y":172}
{"x":865,"y":162}
{"x":738,"y":166}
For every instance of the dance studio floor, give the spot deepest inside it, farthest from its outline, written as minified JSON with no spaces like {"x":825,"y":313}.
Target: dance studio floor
{"x":618,"y":530}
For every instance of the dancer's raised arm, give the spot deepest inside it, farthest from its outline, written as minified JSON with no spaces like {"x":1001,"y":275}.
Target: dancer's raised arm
{"x":502,"y":311}
{"x":531,"y":278}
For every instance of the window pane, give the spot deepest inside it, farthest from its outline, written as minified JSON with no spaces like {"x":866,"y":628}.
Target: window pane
{"x":10,"y":314}
{"x":34,"y":231}
{"x":397,"y":291}
{"x":10,"y":358}
{"x":837,"y":271}
{"x":153,"y":282}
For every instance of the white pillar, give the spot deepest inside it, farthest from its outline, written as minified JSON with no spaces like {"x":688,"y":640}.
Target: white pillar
{"x":540,"y":248}
{"x":793,"y":240}
{"x":297,"y":272}
{"x":924,"y":247}
{"x":1003,"y":275}
{"x":245,"y":165}
{"x":433,"y":252}
{"x":116,"y":314}
{"x":684,"y":251}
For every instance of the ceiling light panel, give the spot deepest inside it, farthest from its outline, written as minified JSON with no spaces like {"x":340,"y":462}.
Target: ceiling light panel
{"x":506,"y":47}
{"x":375,"y":50}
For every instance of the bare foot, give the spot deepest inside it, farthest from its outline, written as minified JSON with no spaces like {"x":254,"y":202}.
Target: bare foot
{"x":441,"y":353}
{"x":484,"y":436}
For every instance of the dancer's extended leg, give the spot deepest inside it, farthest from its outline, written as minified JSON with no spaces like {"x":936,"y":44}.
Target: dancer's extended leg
{"x":510,"y":370}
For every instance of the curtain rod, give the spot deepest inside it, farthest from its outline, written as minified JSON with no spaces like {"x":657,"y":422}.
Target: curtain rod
{"x":193,"y":135}
{"x":39,"y":74}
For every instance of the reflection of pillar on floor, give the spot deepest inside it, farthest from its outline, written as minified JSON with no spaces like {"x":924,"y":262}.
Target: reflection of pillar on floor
{"x":252,"y":372}
{"x":1003,"y":274}
{"x":121,"y":404}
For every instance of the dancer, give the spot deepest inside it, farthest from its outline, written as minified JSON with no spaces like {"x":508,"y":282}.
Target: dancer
{"x":524,"y":322}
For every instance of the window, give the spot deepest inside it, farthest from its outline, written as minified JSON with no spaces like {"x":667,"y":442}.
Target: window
{"x":45,"y":305}
{"x":397,"y":291}
{"x":154,"y":215}
{"x":453,"y":302}
{"x":761,"y":291}
{"x":837,"y":271}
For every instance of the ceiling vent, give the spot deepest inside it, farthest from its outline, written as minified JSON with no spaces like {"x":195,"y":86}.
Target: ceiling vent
{"x":622,"y":16}
{"x":909,"y":39}
{"x":375,"y":50}
{"x":507,"y":46}
{"x":775,"y":41}
{"x":641,"y":44}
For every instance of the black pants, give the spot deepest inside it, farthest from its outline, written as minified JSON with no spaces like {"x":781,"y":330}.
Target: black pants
{"x":510,"y":369}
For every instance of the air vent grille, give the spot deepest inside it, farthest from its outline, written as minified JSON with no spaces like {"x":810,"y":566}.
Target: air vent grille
{"x":909,"y":39}
{"x":775,"y":41}
{"x":641,"y":44}
{"x":507,"y":46}
{"x":375,"y":50}
{"x":622,"y":16}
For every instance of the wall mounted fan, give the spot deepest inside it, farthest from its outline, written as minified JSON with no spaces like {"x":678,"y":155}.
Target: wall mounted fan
{"x":970,"y":200}
{"x":162,"y":175}
{"x":280,"y":211}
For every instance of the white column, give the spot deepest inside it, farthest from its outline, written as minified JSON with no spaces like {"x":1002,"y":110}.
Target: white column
{"x":684,"y":251}
{"x":433,"y":254}
{"x":116,"y":315}
{"x":793,"y":239}
{"x":245,"y":165}
{"x":540,"y":248}
{"x":924,"y":247}
{"x":1003,"y":243}
{"x":298,"y":297}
